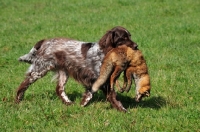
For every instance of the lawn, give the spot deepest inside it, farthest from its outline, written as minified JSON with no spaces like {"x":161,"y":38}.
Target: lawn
{"x":167,"y":32}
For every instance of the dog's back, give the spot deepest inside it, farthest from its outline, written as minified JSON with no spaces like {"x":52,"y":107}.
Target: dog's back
{"x":62,"y":53}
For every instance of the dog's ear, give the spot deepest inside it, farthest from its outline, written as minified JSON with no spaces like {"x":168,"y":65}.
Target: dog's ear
{"x":110,"y":39}
{"x":106,"y":40}
{"x":129,"y":34}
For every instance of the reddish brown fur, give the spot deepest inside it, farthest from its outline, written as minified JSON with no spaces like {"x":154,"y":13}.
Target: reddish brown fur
{"x":132,"y":61}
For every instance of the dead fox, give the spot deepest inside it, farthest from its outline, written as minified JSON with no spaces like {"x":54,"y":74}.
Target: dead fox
{"x":133,"y":64}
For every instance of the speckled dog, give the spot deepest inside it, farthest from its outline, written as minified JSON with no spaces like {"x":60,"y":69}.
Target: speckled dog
{"x":72,"y":58}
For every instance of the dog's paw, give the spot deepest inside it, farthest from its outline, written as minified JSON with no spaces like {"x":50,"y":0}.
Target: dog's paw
{"x":86,"y":98}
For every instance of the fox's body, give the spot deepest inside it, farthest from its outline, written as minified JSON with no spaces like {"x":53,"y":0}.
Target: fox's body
{"x":134,"y":66}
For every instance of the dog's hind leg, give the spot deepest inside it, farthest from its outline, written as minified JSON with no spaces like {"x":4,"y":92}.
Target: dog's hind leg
{"x":32,"y":75}
{"x":112,"y":98}
{"x":60,"y":88}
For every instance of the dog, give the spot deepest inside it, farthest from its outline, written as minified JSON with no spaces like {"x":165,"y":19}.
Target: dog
{"x":133,"y":64}
{"x":72,"y":58}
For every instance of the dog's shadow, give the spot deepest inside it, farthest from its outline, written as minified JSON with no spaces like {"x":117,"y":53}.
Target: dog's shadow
{"x":51,"y":95}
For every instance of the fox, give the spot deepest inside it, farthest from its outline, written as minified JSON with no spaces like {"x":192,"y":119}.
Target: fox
{"x":133,"y":64}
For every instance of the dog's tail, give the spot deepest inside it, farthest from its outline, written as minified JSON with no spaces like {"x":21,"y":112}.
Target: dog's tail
{"x":31,"y":56}
{"x":28,"y":58}
{"x":105,"y":72}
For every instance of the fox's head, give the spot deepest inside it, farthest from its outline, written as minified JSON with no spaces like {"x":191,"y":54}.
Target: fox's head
{"x":139,"y":95}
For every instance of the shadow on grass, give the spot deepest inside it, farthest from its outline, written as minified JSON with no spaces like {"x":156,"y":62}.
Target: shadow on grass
{"x":50,"y":94}
{"x":154,"y":102}
{"x":150,"y":102}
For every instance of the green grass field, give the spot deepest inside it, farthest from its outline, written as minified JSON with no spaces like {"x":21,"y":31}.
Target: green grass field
{"x":167,"y":32}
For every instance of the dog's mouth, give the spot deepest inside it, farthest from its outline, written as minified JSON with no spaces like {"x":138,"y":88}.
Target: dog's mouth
{"x":139,"y":96}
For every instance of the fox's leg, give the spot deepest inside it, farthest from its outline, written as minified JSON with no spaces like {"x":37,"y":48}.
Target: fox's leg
{"x":124,"y":84}
{"x":117,"y":84}
{"x":128,"y":79}
{"x":114,"y":76}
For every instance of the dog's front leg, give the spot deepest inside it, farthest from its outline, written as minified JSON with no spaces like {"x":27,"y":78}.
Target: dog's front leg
{"x":60,"y":88}
{"x":116,"y":104}
{"x":87,"y":96}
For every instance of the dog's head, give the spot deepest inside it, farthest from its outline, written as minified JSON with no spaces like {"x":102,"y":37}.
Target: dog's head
{"x":115,"y":37}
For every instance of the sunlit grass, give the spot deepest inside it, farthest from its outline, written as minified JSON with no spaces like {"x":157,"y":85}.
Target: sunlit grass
{"x":167,"y":32}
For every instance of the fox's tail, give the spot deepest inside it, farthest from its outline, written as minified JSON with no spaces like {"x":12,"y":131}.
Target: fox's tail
{"x":105,"y":72}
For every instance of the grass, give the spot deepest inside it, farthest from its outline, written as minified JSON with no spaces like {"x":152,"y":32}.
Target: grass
{"x":166,"y":31}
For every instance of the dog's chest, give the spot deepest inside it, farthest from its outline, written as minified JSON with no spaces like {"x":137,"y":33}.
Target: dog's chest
{"x":94,"y":58}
